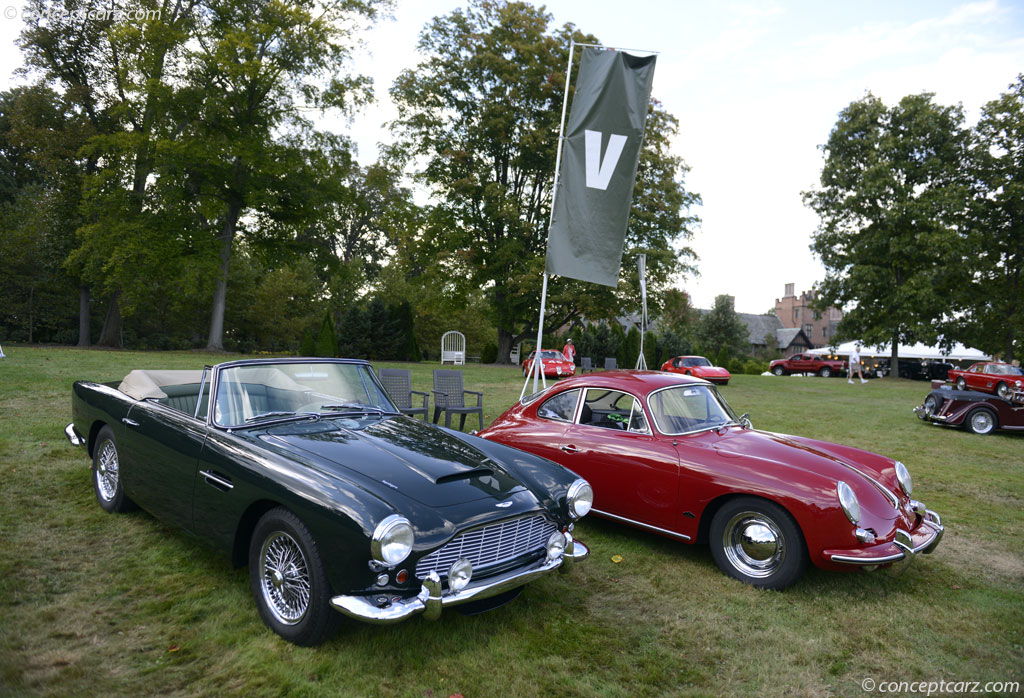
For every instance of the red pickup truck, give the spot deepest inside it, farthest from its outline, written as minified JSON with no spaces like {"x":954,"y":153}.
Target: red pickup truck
{"x":807,"y":363}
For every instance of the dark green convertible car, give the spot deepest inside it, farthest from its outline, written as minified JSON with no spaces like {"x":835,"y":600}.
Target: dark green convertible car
{"x":305,"y":470}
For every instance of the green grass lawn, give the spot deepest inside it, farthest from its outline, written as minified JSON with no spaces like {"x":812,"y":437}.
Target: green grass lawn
{"x":96,"y":604}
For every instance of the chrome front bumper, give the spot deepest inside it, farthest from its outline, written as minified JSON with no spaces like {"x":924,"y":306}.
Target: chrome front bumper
{"x":904,"y":546}
{"x":922,"y":413}
{"x":432,"y":599}
{"x":73,"y":436}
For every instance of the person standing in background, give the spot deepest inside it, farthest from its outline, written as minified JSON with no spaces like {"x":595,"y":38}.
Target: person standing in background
{"x":569,"y":351}
{"x":855,"y":365}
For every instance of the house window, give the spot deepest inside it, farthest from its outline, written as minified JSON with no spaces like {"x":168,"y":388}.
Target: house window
{"x":824,"y":331}
{"x":809,"y":330}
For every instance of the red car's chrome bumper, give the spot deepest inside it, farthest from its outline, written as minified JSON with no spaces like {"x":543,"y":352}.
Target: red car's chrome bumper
{"x":906,"y":545}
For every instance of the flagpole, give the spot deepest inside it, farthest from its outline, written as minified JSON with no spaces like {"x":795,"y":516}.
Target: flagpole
{"x":538,"y":366}
{"x":641,"y":263}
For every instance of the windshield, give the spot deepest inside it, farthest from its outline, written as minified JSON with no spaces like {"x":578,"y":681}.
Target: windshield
{"x":687,"y":408}
{"x":696,"y":361}
{"x":545,"y":355}
{"x":250,"y":393}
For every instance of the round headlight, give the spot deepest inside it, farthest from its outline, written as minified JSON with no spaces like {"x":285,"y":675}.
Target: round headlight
{"x":555,"y":545}
{"x":459,"y":575}
{"x":392,"y":540}
{"x":579,"y":498}
{"x":848,"y":501}
{"x":903,"y":475}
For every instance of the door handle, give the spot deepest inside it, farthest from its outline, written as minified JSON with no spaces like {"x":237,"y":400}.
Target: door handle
{"x":218,"y":481}
{"x":130,"y":422}
{"x":570,"y":449}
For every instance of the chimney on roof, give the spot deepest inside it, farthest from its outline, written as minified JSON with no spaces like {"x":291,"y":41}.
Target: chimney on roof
{"x":789,"y":289}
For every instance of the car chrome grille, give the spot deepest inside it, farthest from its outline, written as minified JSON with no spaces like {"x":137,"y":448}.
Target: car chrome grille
{"x":489,"y":545}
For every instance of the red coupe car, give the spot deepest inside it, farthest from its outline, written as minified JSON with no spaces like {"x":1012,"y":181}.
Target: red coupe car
{"x":989,"y":377}
{"x":553,"y":362}
{"x":697,"y":366}
{"x":666,"y":453}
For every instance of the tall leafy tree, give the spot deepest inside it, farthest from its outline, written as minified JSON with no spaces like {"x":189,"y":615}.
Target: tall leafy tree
{"x":257,"y":67}
{"x":990,"y":300}
{"x":892,"y":191}
{"x":111,"y":59}
{"x":40,"y":191}
{"x":481,"y":114}
{"x":720,"y":330}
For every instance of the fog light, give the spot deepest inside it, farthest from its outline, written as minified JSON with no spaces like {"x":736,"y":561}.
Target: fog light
{"x":555,"y":545}
{"x":459,"y":575}
{"x":382,"y":580}
{"x":864,"y":536}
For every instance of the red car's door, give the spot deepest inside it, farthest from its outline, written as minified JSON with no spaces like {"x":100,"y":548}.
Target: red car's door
{"x":975,"y":378}
{"x":545,"y":436}
{"x":634,"y":473}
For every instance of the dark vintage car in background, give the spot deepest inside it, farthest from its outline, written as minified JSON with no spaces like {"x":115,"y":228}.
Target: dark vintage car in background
{"x":697,"y":366}
{"x":990,"y":377}
{"x":979,"y":413}
{"x":305,"y":471}
{"x":667,"y":454}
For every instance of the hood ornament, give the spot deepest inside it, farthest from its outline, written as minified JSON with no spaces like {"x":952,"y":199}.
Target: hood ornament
{"x":503,"y":505}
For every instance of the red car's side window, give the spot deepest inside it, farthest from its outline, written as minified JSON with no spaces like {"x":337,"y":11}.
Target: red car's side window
{"x":561,"y":407}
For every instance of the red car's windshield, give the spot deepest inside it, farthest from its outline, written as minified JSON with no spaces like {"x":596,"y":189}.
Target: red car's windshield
{"x":683,"y":409}
{"x":691,"y":361}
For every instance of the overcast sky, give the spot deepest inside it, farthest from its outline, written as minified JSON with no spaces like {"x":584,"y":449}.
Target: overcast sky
{"x":756,"y":87}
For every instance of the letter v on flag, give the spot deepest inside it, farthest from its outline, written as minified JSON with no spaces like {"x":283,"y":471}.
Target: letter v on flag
{"x":599,"y":160}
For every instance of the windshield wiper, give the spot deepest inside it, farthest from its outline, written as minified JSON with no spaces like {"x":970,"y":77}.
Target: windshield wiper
{"x":356,"y":408}
{"x":278,"y":417}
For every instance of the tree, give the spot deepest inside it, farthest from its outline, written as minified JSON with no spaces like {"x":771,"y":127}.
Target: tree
{"x":892,"y":191}
{"x":40,"y":190}
{"x":112,"y":63}
{"x":255,"y":68}
{"x":721,"y":330}
{"x":481,"y":111}
{"x":990,"y":299}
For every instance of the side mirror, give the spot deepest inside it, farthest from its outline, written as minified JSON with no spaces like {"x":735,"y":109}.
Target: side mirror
{"x":745,"y":421}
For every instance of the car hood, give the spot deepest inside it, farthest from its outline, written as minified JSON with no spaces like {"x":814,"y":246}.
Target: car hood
{"x":713,"y":371}
{"x":423,"y":462}
{"x":865,"y":477}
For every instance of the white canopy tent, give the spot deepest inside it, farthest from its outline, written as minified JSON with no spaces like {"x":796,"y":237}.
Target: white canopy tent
{"x":907,"y":351}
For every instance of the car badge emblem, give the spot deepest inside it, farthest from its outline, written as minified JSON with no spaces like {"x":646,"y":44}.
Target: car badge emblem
{"x":503,"y":505}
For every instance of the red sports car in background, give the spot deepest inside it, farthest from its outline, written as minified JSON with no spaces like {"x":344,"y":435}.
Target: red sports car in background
{"x":554,"y":364}
{"x":989,"y":377}
{"x":697,"y":366}
{"x":666,"y":453}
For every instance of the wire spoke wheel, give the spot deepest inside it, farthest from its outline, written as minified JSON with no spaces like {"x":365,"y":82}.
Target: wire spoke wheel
{"x":107,"y":471}
{"x":284,"y":578}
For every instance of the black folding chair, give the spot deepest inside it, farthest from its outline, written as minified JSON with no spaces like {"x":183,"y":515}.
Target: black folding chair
{"x":450,"y":398}
{"x":610,"y":364}
{"x":398,"y":383}
{"x":585,"y":365}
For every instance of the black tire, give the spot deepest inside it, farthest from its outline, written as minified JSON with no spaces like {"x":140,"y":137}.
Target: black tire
{"x":961,"y":384}
{"x":776,"y":561}
{"x":106,"y":474}
{"x":825,"y":372}
{"x":981,"y":420}
{"x":1003,"y":390}
{"x":294,"y":602}
{"x":779,"y":371}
